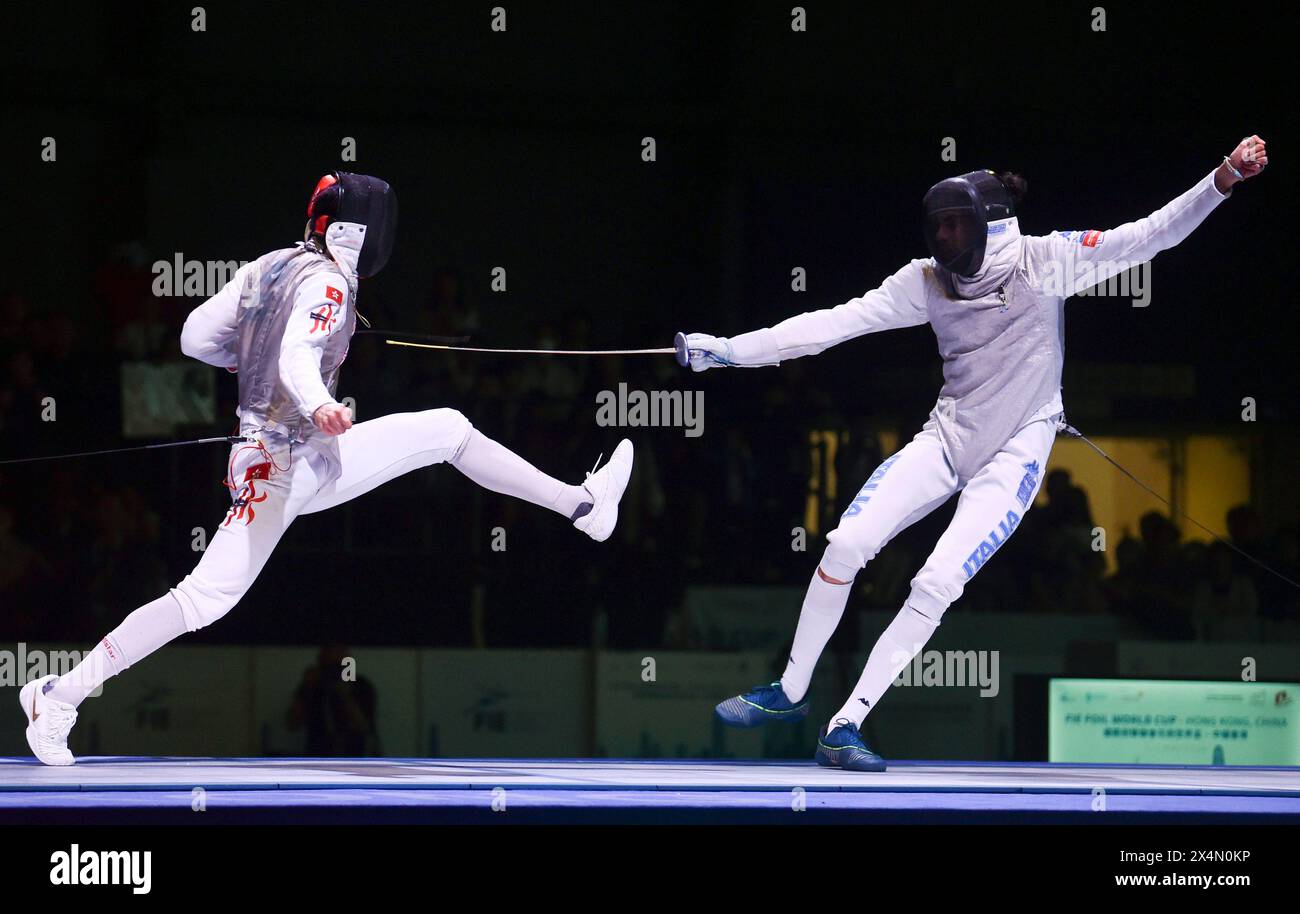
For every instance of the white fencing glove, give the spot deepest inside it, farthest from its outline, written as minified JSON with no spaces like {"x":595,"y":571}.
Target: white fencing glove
{"x":701,"y":351}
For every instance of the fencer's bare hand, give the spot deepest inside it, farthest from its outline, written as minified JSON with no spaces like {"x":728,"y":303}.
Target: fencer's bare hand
{"x":1247,"y":160}
{"x":333,"y":418}
{"x":1250,"y":156}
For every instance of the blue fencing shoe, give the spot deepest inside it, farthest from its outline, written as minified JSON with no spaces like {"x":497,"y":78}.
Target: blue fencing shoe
{"x":760,"y":705}
{"x":843,"y":748}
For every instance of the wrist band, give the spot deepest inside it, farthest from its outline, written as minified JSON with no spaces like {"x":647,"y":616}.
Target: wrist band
{"x":1237,"y":174}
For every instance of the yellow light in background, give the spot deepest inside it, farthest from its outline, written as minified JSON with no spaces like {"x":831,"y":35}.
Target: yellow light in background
{"x":1217,"y":477}
{"x":888,"y":441}
{"x":810,"y":518}
{"x":1117,"y":503}
{"x":822,"y":448}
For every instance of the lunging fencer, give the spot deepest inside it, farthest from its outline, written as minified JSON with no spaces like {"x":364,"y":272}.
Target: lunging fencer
{"x":283,"y":323}
{"x":995,"y":300}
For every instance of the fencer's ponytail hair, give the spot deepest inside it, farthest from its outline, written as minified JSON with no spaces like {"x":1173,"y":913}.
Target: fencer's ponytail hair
{"x":1017,"y":187}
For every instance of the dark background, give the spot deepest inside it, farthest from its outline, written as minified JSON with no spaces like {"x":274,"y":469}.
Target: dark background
{"x":522,"y":149}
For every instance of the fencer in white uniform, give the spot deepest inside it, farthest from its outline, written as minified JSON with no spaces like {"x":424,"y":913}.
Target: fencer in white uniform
{"x":995,"y":300}
{"x":283,"y":323}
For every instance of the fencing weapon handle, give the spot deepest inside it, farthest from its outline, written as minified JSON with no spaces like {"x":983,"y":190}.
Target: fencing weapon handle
{"x":680,"y":348}
{"x":684,"y":355}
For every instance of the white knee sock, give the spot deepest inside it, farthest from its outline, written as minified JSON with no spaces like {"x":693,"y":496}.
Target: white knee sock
{"x":823,"y":606}
{"x":500,"y":469}
{"x":140,"y":634}
{"x":897,"y":645}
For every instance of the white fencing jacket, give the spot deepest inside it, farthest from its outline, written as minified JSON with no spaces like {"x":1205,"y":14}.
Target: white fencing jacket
{"x":289,"y":315}
{"x":1003,"y":346}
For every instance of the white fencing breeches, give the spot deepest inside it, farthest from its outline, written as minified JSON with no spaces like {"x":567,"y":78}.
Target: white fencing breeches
{"x":273,"y":484}
{"x":915,"y":481}
{"x":902,"y":490}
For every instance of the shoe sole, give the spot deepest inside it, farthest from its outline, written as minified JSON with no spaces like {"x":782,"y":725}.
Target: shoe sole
{"x":823,"y":758}
{"x":771,"y":717}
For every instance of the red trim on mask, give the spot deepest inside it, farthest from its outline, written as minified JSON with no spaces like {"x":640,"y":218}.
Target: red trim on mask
{"x":322,"y":185}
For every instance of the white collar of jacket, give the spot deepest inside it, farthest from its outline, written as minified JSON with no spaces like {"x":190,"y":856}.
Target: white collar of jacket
{"x":1001,"y":254}
{"x":343,"y":240}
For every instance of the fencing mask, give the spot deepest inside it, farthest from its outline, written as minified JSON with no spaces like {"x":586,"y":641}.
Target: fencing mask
{"x":957,"y":216}
{"x":341,"y":196}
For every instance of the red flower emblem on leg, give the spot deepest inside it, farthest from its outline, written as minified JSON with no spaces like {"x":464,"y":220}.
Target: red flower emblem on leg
{"x":242,"y":509}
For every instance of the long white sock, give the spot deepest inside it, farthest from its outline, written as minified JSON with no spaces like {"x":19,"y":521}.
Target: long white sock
{"x":140,"y":634}
{"x":901,"y":640}
{"x":823,"y":607}
{"x":500,"y":469}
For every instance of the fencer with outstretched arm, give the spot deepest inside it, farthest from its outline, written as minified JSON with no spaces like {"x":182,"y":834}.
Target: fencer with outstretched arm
{"x":995,"y":300}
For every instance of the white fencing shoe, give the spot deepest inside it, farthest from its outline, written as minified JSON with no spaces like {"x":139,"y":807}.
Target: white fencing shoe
{"x":605,"y":486}
{"x":48,"y":722}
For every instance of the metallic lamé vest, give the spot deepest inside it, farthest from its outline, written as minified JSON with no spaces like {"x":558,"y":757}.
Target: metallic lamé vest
{"x":1002,"y":357}
{"x":265,"y":305}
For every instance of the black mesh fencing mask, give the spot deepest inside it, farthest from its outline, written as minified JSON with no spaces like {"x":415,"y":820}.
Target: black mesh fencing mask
{"x":346,"y":197}
{"x":957,"y":212}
